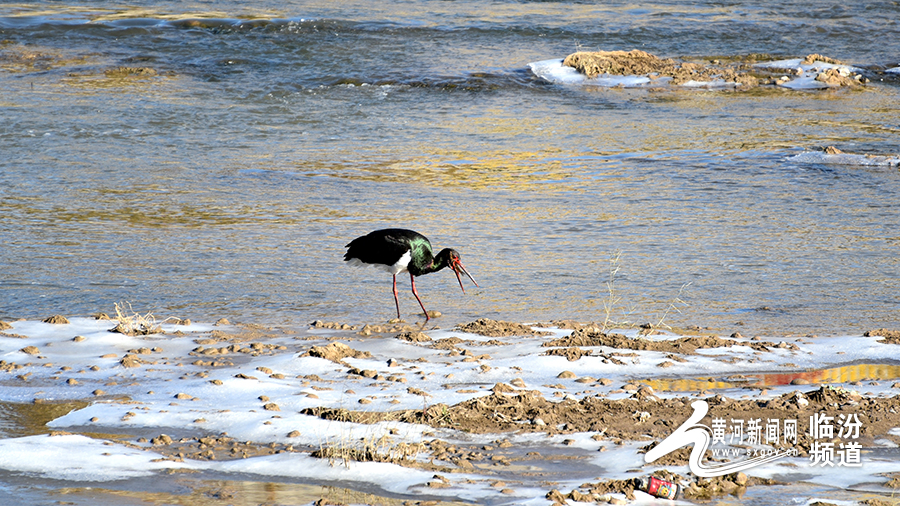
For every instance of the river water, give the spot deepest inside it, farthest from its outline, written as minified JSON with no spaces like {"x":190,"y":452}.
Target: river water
{"x":227,"y":181}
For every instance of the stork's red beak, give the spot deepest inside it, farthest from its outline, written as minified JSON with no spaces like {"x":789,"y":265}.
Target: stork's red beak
{"x":457,"y":266}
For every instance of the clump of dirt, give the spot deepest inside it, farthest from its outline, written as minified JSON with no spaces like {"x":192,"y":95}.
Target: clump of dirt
{"x":448,"y":343}
{"x":872,"y":501}
{"x":638,"y":62}
{"x":56,"y":319}
{"x":211,"y":448}
{"x":31,"y":350}
{"x":336,"y":352}
{"x":130,"y":360}
{"x":890,"y":336}
{"x":368,"y":329}
{"x":131,"y":71}
{"x":815,"y":57}
{"x":596,"y":492}
{"x":4,"y":325}
{"x":491,"y":328}
{"x":894,"y":481}
{"x":413,"y":336}
{"x":634,"y":62}
{"x":563,"y":324}
{"x":572,"y":354}
{"x":837,"y":78}
{"x":686,"y":345}
{"x":319,"y":324}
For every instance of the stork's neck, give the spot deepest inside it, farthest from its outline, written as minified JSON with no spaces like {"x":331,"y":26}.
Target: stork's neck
{"x":427,"y":263}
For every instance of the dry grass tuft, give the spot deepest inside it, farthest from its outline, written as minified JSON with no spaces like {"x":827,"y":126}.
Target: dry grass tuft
{"x":132,"y":323}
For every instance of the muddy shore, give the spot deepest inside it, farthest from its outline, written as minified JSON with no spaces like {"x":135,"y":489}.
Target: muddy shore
{"x":615,"y":412}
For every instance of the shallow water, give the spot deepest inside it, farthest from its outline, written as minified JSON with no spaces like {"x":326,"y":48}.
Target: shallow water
{"x":227,"y":184}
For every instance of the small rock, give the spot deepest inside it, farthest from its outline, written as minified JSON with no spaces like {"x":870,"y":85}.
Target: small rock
{"x":162,"y":439}
{"x":31,"y":350}
{"x":131,"y":361}
{"x":566,"y":375}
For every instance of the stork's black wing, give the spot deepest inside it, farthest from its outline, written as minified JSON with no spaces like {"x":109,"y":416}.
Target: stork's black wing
{"x":384,"y":246}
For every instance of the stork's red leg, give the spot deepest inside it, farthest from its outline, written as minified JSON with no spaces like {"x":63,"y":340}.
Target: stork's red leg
{"x":396,"y":299}
{"x":412,"y":280}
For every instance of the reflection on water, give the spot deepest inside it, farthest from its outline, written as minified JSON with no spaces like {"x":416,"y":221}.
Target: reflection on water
{"x":28,"y":419}
{"x":841,"y":374}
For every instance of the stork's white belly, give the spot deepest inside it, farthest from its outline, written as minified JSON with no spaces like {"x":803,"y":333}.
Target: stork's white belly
{"x":397,"y":268}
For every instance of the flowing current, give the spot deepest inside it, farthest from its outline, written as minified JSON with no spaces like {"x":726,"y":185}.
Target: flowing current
{"x":208,"y":160}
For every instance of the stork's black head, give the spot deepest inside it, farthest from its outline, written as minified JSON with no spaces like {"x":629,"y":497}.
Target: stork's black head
{"x":450,"y":257}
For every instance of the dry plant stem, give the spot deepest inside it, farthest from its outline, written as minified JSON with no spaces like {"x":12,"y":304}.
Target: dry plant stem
{"x":133,"y":323}
{"x":612,"y":299}
{"x":673,"y":305}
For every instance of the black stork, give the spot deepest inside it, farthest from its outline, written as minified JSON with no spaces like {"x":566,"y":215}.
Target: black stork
{"x":399,"y":250}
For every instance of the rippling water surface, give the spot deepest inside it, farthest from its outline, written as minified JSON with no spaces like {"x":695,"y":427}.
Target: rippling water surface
{"x":227,"y":182}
